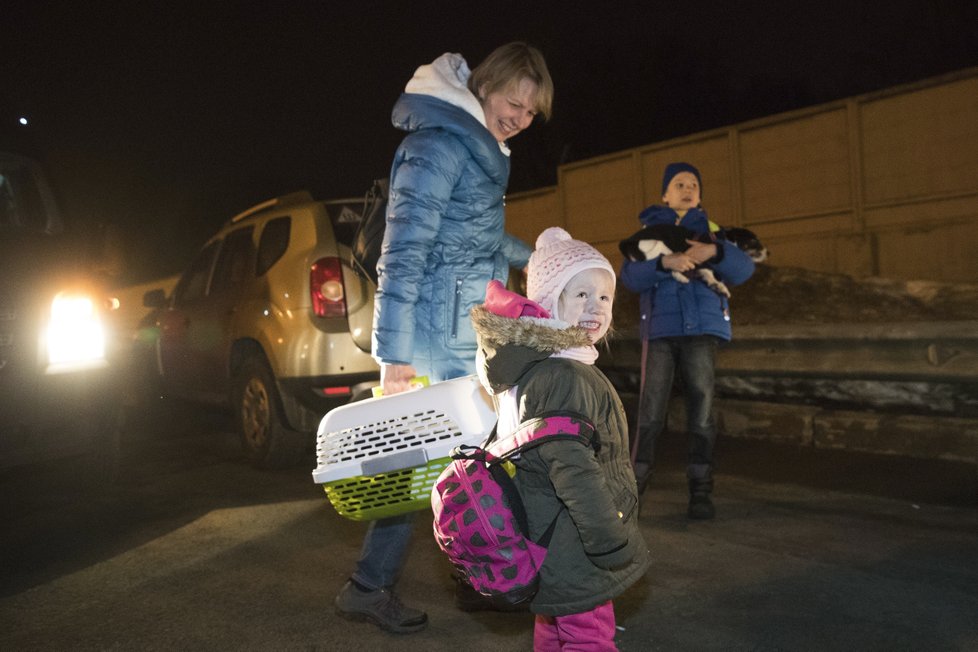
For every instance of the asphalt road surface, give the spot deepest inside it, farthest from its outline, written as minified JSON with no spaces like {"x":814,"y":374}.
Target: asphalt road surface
{"x":192,"y":549}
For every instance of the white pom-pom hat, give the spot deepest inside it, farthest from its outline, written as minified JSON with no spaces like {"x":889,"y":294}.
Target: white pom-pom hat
{"x":557,"y":259}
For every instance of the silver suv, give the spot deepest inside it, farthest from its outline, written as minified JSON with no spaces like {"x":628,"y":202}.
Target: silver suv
{"x":271,"y":320}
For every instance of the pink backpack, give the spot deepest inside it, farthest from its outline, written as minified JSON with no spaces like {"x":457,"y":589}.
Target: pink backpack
{"x":480,"y":521}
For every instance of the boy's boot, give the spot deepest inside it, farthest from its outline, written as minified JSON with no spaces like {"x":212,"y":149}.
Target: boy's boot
{"x":700,"y":478}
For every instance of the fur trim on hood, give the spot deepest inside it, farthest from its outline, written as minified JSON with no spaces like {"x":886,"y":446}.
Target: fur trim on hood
{"x":545,"y":335}
{"x":508,"y":347}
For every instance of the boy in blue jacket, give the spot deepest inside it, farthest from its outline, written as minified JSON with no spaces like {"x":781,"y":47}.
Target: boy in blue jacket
{"x":683,"y":324}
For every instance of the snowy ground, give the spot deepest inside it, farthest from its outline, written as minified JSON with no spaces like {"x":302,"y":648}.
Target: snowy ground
{"x":791,"y":295}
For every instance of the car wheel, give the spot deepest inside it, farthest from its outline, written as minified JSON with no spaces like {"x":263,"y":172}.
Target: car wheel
{"x":267,"y":440}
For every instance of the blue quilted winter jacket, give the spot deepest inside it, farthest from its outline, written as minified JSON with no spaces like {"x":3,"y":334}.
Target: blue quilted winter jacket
{"x":669,"y":308}
{"x":444,"y":240}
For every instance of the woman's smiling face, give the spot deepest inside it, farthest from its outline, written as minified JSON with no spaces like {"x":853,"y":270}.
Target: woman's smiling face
{"x":587,"y":300}
{"x":511,"y":110}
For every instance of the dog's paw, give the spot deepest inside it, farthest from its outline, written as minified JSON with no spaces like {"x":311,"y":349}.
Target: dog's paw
{"x":713,"y":282}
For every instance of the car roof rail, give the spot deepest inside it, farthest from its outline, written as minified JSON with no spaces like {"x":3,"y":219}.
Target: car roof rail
{"x":298,"y":197}
{"x":340,"y":202}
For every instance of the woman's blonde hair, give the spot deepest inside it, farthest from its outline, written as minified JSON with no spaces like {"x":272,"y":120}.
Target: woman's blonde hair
{"x":507,"y":66}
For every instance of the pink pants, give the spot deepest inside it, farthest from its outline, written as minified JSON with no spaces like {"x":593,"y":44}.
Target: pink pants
{"x":591,"y":631}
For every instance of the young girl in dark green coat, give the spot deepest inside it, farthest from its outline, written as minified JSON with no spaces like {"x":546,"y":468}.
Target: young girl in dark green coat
{"x":537,"y":357}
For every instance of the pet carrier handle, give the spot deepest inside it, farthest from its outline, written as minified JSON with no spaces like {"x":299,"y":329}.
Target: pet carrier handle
{"x":395,"y":462}
{"x":415,"y":383}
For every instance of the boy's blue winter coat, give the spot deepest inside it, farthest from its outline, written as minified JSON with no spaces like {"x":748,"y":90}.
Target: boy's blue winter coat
{"x":670,"y":308}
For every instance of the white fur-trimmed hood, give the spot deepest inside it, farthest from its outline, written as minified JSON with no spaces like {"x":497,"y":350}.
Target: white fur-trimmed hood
{"x":446,"y":78}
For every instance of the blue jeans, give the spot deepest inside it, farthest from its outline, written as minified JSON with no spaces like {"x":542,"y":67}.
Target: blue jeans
{"x":387,"y":540}
{"x":695,"y":358}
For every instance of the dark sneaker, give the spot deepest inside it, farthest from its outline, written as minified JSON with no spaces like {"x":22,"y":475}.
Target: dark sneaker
{"x":701,"y":507}
{"x":380,"y":607}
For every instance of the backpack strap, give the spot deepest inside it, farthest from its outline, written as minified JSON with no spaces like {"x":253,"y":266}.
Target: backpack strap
{"x":533,"y":432}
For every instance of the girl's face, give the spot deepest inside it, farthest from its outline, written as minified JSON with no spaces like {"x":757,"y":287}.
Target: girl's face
{"x":510,"y":111}
{"x":586,"y":302}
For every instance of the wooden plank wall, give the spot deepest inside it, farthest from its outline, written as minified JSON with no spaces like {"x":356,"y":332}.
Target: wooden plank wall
{"x":884,"y":184}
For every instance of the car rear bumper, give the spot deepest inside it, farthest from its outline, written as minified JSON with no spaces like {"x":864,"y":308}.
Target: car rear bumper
{"x":308,"y":399}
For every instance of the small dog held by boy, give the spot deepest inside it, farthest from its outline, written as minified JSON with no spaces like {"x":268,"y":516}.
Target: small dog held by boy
{"x":657,"y":240}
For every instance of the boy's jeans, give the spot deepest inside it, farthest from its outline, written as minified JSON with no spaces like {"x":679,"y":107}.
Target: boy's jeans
{"x":695,"y":358}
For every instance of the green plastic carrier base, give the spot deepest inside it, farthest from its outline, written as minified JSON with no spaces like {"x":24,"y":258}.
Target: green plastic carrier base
{"x":367,"y":498}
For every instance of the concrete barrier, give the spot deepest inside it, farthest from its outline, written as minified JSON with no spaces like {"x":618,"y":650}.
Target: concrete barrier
{"x":894,"y":389}
{"x":907,"y":435}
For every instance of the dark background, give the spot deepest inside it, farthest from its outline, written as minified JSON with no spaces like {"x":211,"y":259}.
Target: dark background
{"x":165,"y":119}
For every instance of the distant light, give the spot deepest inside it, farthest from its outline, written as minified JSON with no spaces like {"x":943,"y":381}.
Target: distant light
{"x":23,"y":121}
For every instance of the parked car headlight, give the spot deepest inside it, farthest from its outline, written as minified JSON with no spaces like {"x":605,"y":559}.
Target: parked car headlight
{"x":75,"y":334}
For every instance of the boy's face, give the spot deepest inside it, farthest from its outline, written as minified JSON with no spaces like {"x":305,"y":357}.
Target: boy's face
{"x":587,"y":300}
{"x":683,"y":192}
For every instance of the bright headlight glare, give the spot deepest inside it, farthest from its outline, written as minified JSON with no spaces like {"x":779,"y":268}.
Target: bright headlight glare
{"x":75,"y":335}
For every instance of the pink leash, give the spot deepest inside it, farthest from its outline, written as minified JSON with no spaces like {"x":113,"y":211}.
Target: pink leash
{"x":641,"y":393}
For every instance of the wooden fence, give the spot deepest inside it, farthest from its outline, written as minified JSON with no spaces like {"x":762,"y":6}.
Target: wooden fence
{"x":883,"y":184}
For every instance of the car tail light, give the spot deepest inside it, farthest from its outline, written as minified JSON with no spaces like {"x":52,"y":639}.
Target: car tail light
{"x":326,"y":288}
{"x":336,"y":391}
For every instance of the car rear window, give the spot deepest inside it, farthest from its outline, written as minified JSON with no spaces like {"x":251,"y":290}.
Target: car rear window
{"x":273,"y":243}
{"x":345,"y":219}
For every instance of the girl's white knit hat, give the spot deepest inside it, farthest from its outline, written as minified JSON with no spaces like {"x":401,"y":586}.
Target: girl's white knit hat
{"x":557,"y":259}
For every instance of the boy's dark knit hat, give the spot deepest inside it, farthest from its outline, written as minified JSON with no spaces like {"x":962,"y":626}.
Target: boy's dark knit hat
{"x":675,"y":168}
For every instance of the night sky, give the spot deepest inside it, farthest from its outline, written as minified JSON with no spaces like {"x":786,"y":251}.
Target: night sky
{"x":164,"y":119}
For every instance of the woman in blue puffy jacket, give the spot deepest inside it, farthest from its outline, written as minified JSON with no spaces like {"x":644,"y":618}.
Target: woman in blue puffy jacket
{"x":445,"y":239}
{"x":444,"y":242}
